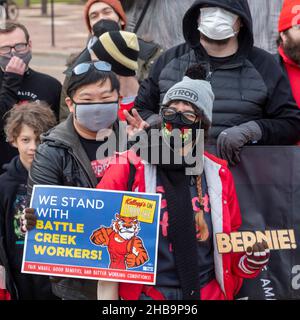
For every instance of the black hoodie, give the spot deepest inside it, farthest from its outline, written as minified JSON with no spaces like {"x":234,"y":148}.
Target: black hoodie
{"x":250,"y":86}
{"x":13,"y":199}
{"x":15,"y":89}
{"x":238,"y":7}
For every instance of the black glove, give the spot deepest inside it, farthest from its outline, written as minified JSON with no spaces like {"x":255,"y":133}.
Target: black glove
{"x":231,"y":141}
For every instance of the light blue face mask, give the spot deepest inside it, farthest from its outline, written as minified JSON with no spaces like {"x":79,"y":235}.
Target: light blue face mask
{"x":96,"y":116}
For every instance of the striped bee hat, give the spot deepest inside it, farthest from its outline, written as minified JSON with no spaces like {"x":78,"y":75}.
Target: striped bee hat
{"x":120,"y":49}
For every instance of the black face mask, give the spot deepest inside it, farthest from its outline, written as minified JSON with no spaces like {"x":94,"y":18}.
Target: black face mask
{"x":159,"y":147}
{"x":103,"y":26}
{"x":189,"y":132}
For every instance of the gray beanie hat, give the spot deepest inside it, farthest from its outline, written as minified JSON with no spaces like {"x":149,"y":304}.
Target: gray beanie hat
{"x":197,"y":92}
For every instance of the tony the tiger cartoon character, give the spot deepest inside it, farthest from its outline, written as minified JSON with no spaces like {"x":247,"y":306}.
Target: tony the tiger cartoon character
{"x":125,"y":249}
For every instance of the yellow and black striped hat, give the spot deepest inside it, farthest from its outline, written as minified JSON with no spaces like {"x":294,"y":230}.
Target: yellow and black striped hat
{"x":120,"y":49}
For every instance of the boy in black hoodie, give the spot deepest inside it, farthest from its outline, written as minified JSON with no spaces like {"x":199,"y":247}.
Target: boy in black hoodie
{"x":24,"y":125}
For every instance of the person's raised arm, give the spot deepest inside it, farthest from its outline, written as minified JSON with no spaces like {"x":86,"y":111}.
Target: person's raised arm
{"x":11,"y":82}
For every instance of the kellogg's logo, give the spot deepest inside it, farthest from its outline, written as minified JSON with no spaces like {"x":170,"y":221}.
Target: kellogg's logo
{"x":136,"y":203}
{"x":141,"y":208}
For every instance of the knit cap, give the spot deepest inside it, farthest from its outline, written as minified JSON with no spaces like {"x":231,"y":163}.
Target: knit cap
{"x":289,"y":15}
{"x":120,"y":49}
{"x":197,"y":92}
{"x":115,"y":4}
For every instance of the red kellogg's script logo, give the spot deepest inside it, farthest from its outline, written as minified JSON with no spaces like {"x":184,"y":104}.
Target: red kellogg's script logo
{"x":136,"y":203}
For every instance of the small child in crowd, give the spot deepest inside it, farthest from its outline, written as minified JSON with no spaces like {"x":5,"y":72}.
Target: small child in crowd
{"x":24,"y":125}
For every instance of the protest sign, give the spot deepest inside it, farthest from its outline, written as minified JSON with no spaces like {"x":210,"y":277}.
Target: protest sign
{"x":240,"y":241}
{"x":93,"y":234}
{"x":267,"y":182}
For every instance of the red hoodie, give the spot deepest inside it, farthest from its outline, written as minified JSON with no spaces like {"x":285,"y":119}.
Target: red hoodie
{"x":293,"y":71}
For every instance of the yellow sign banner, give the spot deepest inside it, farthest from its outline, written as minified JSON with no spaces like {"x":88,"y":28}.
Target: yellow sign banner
{"x":141,"y":208}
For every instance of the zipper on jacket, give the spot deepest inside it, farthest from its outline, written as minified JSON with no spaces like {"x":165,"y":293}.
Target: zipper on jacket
{"x":225,"y":67}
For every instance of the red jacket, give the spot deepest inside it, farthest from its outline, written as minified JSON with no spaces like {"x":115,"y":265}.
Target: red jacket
{"x":225,"y":211}
{"x":4,"y":295}
{"x":293,"y":71}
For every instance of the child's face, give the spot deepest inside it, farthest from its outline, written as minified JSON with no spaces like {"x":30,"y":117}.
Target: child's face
{"x":26,"y":143}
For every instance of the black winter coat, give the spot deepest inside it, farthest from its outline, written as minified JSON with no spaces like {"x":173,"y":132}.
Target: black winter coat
{"x":13,"y":199}
{"x":251,"y":86}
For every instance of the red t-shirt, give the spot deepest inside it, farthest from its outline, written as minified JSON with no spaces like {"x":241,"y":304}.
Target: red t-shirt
{"x":125,"y":104}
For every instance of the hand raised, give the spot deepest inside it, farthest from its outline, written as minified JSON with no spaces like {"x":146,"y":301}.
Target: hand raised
{"x":16,"y":65}
{"x":134,"y":122}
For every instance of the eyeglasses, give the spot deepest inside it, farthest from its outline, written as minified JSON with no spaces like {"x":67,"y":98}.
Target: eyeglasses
{"x":187,"y":117}
{"x":85,"y":67}
{"x":19,"y":47}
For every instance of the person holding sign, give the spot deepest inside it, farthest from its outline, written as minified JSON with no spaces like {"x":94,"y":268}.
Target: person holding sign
{"x":23,"y":127}
{"x":68,"y":155}
{"x":93,"y":99}
{"x":195,"y":206}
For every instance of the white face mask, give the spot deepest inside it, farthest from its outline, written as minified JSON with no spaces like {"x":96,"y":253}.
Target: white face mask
{"x":217,"y":23}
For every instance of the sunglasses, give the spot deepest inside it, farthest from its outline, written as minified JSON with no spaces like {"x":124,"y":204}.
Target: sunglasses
{"x":85,"y":67}
{"x":187,"y":117}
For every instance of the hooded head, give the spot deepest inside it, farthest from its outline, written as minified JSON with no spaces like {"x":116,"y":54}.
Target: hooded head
{"x":115,"y":4}
{"x":237,"y":7}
